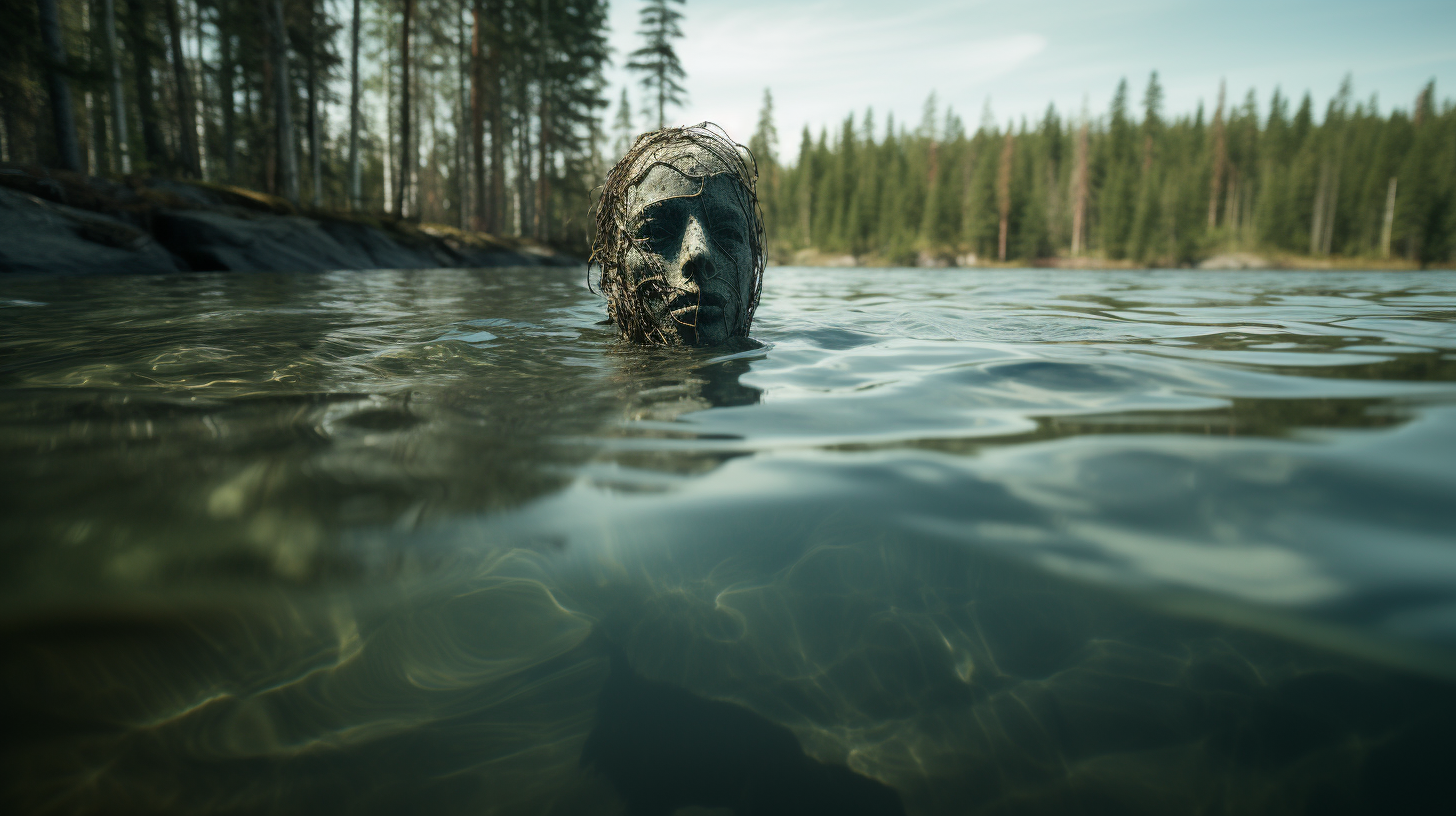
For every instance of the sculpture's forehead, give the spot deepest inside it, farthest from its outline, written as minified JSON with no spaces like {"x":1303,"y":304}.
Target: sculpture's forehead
{"x":662,"y":182}
{"x":679,"y":170}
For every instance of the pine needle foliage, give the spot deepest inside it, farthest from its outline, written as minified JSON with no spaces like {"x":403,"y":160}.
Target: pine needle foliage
{"x":662,"y":71}
{"x":1137,"y":185}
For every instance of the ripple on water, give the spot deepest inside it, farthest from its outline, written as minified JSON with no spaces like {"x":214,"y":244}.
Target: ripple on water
{"x":1033,"y":541}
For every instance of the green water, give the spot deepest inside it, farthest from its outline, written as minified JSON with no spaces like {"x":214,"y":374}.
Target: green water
{"x":1007,"y":542}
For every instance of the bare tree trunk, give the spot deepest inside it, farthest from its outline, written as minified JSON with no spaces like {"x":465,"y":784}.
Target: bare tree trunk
{"x":543,"y":170}
{"x":389,"y":160}
{"x":405,"y":164}
{"x":525,"y":202}
{"x":483,"y":205}
{"x":86,"y":129}
{"x":226,"y":69}
{"x":412,"y":190}
{"x":282,"y":108}
{"x":94,"y":126}
{"x":427,"y":198}
{"x":1220,"y":160}
{"x":463,"y":132}
{"x":495,"y":213}
{"x":206,"y":122}
{"x":120,"y":152}
{"x":661,"y":95}
{"x":1079,"y":192}
{"x":186,"y":113}
{"x":1389,"y":226}
{"x":1333,"y":194}
{"x":1317,"y":226}
{"x":355,"y":187}
{"x":1003,"y":193}
{"x":806,"y":207}
{"x":8,"y":138}
{"x":64,"y":116}
{"x":141,"y":55}
{"x":269,"y":164}
{"x":1231,"y":201}
{"x":314,"y":139}
{"x":543,"y":141}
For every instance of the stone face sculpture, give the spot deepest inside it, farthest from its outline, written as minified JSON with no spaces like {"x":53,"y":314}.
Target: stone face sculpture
{"x":680,"y":239}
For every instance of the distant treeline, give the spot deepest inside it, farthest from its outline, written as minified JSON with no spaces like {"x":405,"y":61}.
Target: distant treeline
{"x":478,"y":113}
{"x":489,"y":114}
{"x":1132,"y":185}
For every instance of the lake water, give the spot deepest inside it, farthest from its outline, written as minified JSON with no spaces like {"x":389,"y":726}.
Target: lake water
{"x":1004,"y":541}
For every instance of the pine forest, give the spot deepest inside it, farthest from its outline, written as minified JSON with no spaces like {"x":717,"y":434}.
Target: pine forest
{"x":1134,"y":186}
{"x":495,"y":115}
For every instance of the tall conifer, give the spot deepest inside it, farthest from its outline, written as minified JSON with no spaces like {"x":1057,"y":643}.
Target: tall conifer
{"x":657,"y":61}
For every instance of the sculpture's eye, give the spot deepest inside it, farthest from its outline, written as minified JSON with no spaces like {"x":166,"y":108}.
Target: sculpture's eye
{"x":660,"y":227}
{"x":730,"y":231}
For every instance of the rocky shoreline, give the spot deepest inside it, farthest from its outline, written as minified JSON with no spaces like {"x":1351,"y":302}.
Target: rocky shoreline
{"x":66,"y":224}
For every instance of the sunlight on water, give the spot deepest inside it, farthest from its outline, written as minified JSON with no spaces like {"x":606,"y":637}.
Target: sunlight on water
{"x":1012,"y":541}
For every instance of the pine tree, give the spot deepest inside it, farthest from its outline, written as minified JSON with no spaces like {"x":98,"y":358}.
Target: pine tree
{"x":186,"y":110}
{"x":121,"y":154}
{"x":626,"y":131}
{"x":143,"y":49}
{"x":804,"y":200}
{"x":657,"y":60}
{"x":1144,"y":243}
{"x":1117,"y":201}
{"x":1003,"y":194}
{"x":284,"y":145}
{"x":62,"y":111}
{"x":1421,"y":221}
{"x":355,"y":181}
{"x":1220,"y":159}
{"x":765,"y":139}
{"x":1080,"y":183}
{"x":764,"y":146}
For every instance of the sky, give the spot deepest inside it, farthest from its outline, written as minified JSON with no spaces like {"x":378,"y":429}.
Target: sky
{"x":824,"y":60}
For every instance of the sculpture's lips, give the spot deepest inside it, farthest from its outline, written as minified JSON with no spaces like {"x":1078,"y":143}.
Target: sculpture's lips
{"x":694,"y":310}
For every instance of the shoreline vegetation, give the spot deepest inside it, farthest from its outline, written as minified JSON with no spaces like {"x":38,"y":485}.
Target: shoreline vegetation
{"x":1233,"y":187}
{"x":491,"y":119}
{"x":1224,"y":261}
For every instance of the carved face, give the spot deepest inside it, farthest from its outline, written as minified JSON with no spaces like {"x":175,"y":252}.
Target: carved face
{"x":692,"y":263}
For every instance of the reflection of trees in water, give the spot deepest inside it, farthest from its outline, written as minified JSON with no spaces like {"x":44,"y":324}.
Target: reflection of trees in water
{"x":260,"y":415}
{"x":260,"y":423}
{"x":206,"y":664}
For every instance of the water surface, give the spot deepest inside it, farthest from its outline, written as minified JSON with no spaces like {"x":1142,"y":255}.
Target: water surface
{"x":1009,"y":542}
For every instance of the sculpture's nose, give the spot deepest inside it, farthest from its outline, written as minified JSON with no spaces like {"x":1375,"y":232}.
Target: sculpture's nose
{"x":694,"y":262}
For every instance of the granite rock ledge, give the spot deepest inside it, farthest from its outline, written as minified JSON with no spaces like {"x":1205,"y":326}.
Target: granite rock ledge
{"x":66,"y":224}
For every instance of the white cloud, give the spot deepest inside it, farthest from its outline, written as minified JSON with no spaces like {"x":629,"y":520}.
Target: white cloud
{"x":824,"y":60}
{"x":821,"y":64}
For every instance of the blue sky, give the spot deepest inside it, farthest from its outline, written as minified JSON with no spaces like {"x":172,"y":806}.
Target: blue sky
{"x":824,"y":59}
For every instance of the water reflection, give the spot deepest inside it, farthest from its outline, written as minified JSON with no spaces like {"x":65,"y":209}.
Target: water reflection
{"x":1003,"y":543}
